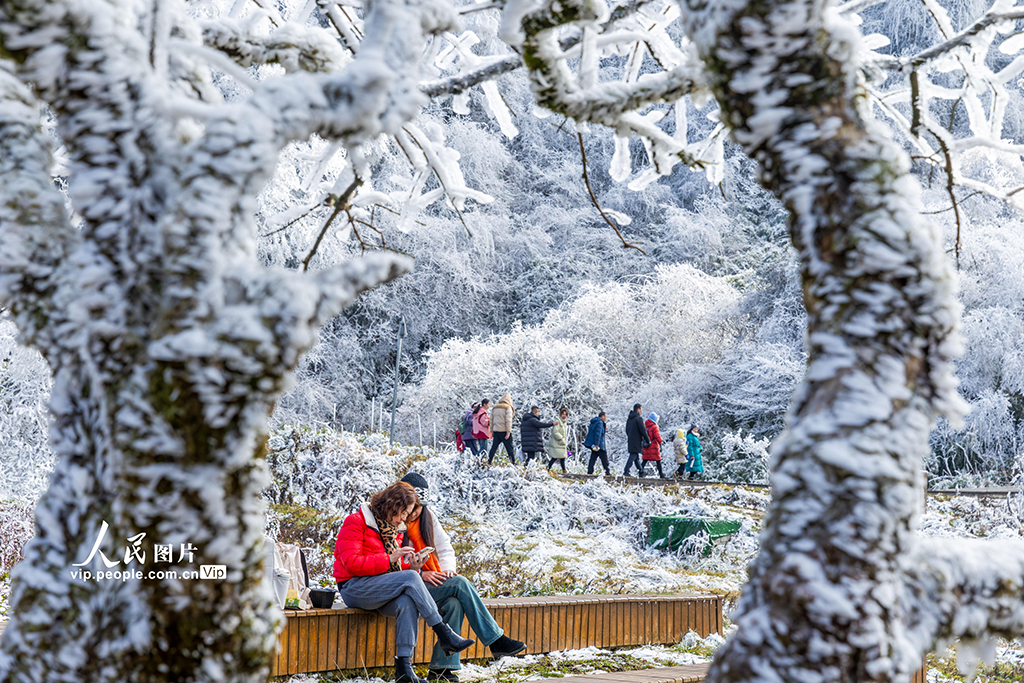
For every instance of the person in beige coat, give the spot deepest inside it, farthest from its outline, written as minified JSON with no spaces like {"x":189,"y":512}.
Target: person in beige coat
{"x":559,"y":442}
{"x":501,"y":427}
{"x":679,"y":447}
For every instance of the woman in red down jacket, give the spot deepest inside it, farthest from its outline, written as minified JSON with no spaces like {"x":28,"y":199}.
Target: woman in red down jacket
{"x":653,"y":451}
{"x":375,"y":572}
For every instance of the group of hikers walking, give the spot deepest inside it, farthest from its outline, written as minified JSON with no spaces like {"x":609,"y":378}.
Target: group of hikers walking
{"x":481,"y":424}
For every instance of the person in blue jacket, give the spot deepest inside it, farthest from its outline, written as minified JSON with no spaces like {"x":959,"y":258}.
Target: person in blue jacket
{"x":694,"y":453}
{"x":595,"y":442}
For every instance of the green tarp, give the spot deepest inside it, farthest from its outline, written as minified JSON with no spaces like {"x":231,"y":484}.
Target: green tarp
{"x":669,"y":533}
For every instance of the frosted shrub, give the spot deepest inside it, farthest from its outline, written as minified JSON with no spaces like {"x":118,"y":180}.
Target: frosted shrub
{"x":677,"y":315}
{"x":329,"y":384}
{"x":15,"y":531}
{"x":25,"y":380}
{"x":694,"y":545}
{"x":742,"y":458}
{"x":1015,"y":499}
{"x":331,"y":471}
{"x":529,"y":362}
{"x":757,"y":381}
{"x":991,"y":371}
{"x":653,"y":341}
{"x":984,"y":449}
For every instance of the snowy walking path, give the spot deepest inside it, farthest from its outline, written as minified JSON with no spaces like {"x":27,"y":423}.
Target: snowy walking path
{"x":692,"y":673}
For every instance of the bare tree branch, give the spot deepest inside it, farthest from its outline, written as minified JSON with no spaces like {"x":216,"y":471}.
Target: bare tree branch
{"x":342,"y":203}
{"x":593,"y":198}
{"x":455,"y":85}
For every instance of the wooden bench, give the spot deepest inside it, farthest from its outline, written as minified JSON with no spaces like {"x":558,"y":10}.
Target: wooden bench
{"x":328,"y":640}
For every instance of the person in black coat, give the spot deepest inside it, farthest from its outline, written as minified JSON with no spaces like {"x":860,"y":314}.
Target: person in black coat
{"x":636,"y":438}
{"x":530,"y":436}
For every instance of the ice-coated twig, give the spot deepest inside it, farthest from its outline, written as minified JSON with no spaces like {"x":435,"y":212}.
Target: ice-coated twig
{"x":962,"y":39}
{"x":293,"y":46}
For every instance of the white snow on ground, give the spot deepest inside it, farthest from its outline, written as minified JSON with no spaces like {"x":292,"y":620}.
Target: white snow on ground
{"x":519,"y":668}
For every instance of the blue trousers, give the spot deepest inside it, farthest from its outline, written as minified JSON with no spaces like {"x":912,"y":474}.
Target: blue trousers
{"x":457,"y":598}
{"x":402,"y":595}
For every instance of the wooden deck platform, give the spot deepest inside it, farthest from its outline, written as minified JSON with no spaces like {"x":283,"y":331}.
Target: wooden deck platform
{"x":691,"y":673}
{"x":327,"y":640}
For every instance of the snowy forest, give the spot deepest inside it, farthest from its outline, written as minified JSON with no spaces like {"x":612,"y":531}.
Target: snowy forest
{"x":585,"y":205}
{"x":526,"y":289}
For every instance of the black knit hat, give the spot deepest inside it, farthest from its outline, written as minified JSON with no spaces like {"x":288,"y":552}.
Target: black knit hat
{"x":416,"y":481}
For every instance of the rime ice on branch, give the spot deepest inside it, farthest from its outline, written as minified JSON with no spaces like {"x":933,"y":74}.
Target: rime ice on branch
{"x":168,"y":341}
{"x":842,"y":588}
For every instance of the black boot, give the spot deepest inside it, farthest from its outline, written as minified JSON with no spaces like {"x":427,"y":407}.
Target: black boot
{"x":506,"y":647}
{"x":450,"y":641}
{"x":404,"y":672}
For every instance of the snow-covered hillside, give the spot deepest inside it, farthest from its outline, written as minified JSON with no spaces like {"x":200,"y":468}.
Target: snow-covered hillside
{"x":522,"y":532}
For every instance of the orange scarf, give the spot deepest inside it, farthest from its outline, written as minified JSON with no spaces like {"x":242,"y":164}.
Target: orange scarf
{"x":413,"y":528}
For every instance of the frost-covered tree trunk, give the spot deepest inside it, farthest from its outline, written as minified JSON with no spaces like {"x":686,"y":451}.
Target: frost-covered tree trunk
{"x":842,"y":589}
{"x":168,"y":341}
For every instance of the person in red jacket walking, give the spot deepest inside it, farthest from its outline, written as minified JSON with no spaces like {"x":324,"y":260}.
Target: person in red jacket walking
{"x":373,"y":573}
{"x":652,"y":452}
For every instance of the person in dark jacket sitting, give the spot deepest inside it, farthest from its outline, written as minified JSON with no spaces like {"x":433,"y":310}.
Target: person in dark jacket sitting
{"x":636,"y":439}
{"x":596,"y":443}
{"x":530,"y":436}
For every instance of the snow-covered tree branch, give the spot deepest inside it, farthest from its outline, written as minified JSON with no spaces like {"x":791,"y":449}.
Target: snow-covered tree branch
{"x":831,"y":595}
{"x":168,"y":341}
{"x":294,"y":46}
{"x":967,"y":591}
{"x":613,"y":104}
